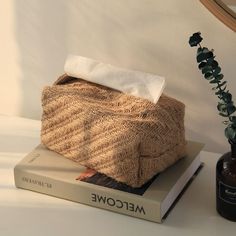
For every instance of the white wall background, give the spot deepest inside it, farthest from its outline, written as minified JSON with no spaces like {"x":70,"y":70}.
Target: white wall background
{"x":151,"y":36}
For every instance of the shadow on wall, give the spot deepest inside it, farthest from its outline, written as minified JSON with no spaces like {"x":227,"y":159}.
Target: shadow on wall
{"x":47,"y":30}
{"x":41,"y":48}
{"x":204,"y":138}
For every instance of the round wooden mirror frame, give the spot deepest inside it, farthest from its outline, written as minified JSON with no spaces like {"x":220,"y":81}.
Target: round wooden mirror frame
{"x":218,"y":8}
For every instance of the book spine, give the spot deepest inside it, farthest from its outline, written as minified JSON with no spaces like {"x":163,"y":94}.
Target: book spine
{"x":100,"y":197}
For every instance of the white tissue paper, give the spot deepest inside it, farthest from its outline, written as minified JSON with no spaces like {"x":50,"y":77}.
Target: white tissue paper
{"x":136,"y":83}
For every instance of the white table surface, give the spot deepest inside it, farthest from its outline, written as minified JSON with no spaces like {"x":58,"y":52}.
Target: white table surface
{"x":25,"y":213}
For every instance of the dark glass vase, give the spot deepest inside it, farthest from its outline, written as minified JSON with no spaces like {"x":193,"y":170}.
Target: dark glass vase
{"x":226,"y":185}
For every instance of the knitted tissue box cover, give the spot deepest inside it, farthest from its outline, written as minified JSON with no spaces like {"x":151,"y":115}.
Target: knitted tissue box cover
{"x":127,"y":138}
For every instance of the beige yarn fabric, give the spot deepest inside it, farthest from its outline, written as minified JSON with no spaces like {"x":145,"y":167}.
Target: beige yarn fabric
{"x":129,"y":139}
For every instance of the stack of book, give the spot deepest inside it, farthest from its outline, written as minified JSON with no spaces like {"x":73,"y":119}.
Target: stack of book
{"x":47,"y":172}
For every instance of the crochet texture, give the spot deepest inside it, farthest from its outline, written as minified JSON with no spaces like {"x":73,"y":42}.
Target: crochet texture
{"x":129,"y":139}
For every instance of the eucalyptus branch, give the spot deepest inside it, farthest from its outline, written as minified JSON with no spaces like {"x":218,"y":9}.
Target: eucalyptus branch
{"x":212,"y":72}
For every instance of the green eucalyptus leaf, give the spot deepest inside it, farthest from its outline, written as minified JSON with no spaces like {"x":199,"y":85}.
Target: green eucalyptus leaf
{"x":213,"y":63}
{"x":208,"y":76}
{"x":219,"y":77}
{"x":216,"y":71}
{"x":230,"y":132}
{"x":200,"y":58}
{"x":206,"y":69}
{"x":222,"y":107}
{"x":226,"y":108}
{"x":223,"y":89}
{"x":231,"y":109}
{"x":204,"y":54}
{"x":215,"y":81}
{"x":200,"y":50}
{"x":227,"y":97}
{"x":219,"y":108}
{"x":218,"y":92}
{"x":221,"y":85}
{"x":224,"y":114}
{"x":195,"y":39}
{"x":210,"y":60}
{"x":201,"y":65}
{"x":232,"y":119}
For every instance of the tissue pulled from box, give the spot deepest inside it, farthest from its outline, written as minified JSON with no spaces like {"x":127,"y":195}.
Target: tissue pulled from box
{"x":136,"y":83}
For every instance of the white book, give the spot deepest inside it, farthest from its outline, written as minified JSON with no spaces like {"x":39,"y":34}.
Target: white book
{"x":47,"y":172}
